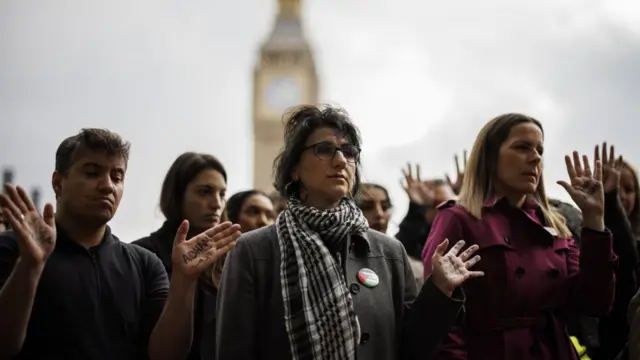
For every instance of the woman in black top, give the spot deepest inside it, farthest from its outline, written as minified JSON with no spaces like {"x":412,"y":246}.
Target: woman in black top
{"x":193,"y":189}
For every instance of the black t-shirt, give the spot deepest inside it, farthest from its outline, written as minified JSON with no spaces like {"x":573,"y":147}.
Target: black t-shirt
{"x":101,"y":303}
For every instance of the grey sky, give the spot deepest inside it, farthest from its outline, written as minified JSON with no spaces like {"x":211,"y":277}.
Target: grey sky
{"x":419,"y":78}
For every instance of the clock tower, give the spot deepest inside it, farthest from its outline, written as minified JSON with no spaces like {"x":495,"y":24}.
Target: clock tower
{"x":284,"y":76}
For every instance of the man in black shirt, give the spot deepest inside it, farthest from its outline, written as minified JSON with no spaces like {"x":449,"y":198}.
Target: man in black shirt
{"x":69,"y":289}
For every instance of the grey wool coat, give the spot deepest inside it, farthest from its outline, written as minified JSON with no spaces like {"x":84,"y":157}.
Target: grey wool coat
{"x":396,"y":322}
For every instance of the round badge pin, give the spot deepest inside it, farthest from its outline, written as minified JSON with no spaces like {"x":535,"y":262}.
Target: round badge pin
{"x":368,"y":278}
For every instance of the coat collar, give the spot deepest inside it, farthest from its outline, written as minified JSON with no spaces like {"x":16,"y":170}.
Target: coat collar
{"x":493,"y":200}
{"x":360,"y":241}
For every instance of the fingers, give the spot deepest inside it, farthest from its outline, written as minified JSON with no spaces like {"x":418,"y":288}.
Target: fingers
{"x":26,"y":200}
{"x":49,"y":215}
{"x":418,"y":172}
{"x":619,"y":163}
{"x":448,"y":179}
{"x":225,"y":244}
{"x":605,"y":158}
{"x":440,"y":249}
{"x":456,"y":248}
{"x":181,"y":234}
{"x":576,"y":164}
{"x":10,"y":209}
{"x":455,"y":158}
{"x":465,"y":156}
{"x":612,"y":155}
{"x":219,"y":231}
{"x":474,"y":274}
{"x":16,"y":198}
{"x":587,"y":167}
{"x":469,"y":264}
{"x":598,"y":171}
{"x":467,"y":253}
{"x":14,"y":220}
{"x":570,"y":169}
{"x":567,"y":187}
{"x":596,"y":153}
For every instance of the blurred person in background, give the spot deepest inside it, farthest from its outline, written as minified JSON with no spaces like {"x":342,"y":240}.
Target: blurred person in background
{"x":251,"y":209}
{"x":424,"y":198}
{"x":279,"y":202}
{"x":194,"y":189}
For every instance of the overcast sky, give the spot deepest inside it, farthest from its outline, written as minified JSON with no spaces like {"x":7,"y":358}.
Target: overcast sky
{"x":418,"y":77}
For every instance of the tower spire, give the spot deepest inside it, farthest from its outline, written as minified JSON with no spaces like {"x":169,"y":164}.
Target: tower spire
{"x":289,"y":8}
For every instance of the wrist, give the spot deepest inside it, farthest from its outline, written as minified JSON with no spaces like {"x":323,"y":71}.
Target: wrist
{"x":442,"y":287}
{"x":31,"y":269}
{"x":182,"y":284}
{"x":593,"y":222}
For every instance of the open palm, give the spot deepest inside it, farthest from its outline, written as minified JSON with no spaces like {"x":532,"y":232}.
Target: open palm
{"x":611,"y":167}
{"x":585,"y":187}
{"x":36,"y":233}
{"x":451,"y":270}
{"x":193,"y":256}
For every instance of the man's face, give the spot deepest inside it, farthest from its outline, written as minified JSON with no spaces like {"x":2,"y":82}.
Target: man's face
{"x":92,"y":187}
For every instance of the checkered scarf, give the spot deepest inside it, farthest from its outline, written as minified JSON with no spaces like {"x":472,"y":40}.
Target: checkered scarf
{"x":318,"y":310}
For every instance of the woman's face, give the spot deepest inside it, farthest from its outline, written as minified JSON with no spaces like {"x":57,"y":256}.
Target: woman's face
{"x":327,"y":175}
{"x":256,"y":211}
{"x":204,"y":200}
{"x":376,"y":207}
{"x":628,"y":191}
{"x":519,"y":167}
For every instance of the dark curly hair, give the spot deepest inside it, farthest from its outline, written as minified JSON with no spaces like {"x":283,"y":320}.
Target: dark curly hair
{"x":300,"y":123}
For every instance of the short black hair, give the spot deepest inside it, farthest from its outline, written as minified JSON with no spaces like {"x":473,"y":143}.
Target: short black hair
{"x":300,"y":123}
{"x":93,"y":140}
{"x":235,"y":202}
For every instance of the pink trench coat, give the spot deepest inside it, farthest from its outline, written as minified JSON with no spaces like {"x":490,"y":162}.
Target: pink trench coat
{"x":517,"y":311}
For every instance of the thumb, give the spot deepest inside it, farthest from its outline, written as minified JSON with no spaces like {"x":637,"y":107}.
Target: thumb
{"x":181,"y":234}
{"x":441,"y":248}
{"x":49,"y":216}
{"x":567,"y":187}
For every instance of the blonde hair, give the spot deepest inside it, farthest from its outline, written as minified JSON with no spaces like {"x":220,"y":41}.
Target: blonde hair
{"x":479,"y":176}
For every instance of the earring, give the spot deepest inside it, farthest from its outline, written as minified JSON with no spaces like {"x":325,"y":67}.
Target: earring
{"x":287,"y":188}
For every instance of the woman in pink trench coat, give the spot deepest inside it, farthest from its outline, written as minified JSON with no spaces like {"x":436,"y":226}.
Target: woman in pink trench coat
{"x":534,"y":273}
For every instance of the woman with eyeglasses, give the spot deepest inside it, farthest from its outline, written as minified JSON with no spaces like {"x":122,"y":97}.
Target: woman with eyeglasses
{"x":319,"y":284}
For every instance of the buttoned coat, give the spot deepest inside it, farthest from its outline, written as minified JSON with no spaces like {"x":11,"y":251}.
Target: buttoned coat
{"x":396,"y":322}
{"x":518,"y":310}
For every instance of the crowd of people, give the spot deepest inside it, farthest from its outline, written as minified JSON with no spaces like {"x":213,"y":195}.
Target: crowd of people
{"x":483,"y":267}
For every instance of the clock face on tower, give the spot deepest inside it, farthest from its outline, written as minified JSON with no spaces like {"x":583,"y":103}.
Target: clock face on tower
{"x":282,"y":92}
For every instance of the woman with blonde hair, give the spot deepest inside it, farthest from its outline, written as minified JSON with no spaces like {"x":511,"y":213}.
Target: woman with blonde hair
{"x":534,"y":273}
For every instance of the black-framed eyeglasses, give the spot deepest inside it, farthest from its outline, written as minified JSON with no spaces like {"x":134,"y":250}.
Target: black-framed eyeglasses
{"x":327,"y":151}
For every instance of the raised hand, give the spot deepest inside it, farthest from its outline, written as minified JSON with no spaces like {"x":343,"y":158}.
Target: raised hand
{"x":451,"y":270}
{"x":611,"y":167}
{"x":36,"y":233}
{"x":586,"y":187}
{"x":457,"y":185}
{"x":418,"y":191}
{"x":191,"y":257}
